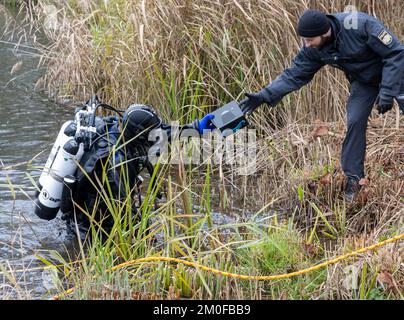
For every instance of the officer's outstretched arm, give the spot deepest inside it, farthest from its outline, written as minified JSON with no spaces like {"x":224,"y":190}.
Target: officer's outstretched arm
{"x":304,"y":67}
{"x":386,"y":44}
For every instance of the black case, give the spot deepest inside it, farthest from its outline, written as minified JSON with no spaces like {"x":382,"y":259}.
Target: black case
{"x":229,"y":118}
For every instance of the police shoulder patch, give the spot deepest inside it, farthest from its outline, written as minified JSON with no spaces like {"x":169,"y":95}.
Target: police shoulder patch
{"x":385,"y":37}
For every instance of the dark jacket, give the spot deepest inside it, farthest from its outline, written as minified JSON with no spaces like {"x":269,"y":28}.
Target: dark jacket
{"x":370,"y":54}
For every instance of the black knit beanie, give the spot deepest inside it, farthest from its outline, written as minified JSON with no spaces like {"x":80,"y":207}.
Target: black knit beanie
{"x":313,"y":23}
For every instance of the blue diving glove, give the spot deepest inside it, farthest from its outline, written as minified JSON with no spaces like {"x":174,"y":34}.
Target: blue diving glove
{"x":206,"y":123}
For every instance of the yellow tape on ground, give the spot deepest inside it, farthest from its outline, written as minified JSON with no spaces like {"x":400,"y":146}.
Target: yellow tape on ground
{"x":246,"y":277}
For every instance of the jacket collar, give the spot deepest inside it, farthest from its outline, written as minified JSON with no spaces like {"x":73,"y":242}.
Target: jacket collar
{"x":336,"y":31}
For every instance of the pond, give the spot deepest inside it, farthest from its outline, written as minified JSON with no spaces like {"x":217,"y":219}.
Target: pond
{"x":29,"y":124}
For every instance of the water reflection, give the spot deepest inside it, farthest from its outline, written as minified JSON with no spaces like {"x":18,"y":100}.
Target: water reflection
{"x":29,"y":124}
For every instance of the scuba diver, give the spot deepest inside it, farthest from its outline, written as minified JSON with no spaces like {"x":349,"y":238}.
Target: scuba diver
{"x":95,"y":165}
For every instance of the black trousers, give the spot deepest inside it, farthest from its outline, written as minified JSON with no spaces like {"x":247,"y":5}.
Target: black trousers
{"x":359,"y":107}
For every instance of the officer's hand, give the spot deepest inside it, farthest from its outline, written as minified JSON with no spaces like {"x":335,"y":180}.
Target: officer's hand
{"x":206,"y":123}
{"x":384,"y":103}
{"x":252,"y":102}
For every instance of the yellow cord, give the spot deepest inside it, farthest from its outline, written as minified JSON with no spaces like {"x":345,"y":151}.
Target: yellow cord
{"x":246,"y":277}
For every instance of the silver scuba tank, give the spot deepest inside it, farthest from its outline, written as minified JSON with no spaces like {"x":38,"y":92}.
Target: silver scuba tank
{"x":67,"y":131}
{"x":65,"y":163}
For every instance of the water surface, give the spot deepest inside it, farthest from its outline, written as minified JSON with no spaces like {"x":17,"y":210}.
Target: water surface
{"x":29,"y":124}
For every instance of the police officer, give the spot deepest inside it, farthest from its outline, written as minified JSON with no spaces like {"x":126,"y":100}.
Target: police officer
{"x":371,"y":57}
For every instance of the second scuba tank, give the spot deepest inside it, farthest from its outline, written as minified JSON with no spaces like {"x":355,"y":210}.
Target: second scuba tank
{"x":65,"y":163}
{"x":67,"y":131}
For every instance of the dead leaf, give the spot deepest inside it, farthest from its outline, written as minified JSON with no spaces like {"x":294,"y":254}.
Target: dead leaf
{"x":320,"y":131}
{"x":172,"y":293}
{"x":363,"y":196}
{"x":136,"y":295}
{"x":16,"y":67}
{"x":325,"y":179}
{"x":178,"y":296}
{"x":311,"y":249}
{"x":39,"y":84}
{"x":283,"y":296}
{"x":387,"y":278}
{"x":363,"y":182}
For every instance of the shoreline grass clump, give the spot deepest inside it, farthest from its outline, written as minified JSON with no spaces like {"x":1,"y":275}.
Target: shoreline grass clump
{"x":262,"y":244}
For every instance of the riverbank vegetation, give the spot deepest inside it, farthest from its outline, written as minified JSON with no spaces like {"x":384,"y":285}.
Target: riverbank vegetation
{"x":187,"y":58}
